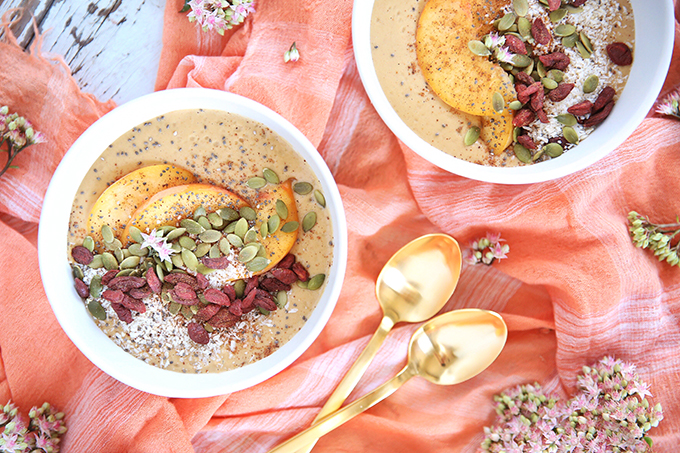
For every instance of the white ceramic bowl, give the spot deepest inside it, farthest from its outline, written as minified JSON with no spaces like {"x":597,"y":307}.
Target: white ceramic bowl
{"x":654,"y":36}
{"x":56,"y":272}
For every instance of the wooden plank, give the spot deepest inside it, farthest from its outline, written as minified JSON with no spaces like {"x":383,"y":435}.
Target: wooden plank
{"x":112,"y":46}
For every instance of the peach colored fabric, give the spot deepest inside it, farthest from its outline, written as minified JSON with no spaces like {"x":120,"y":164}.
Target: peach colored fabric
{"x":573,"y":288}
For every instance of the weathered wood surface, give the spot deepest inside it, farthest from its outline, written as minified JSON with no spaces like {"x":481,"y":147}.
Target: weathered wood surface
{"x":112,"y":46}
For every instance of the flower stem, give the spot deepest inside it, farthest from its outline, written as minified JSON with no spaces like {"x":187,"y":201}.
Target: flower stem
{"x":12,"y":153}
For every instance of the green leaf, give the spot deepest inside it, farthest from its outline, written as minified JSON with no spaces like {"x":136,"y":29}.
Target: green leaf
{"x":648,"y":440}
{"x":186,"y":7}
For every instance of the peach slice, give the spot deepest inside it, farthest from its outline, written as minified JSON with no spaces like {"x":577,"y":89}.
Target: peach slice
{"x":279,"y":243}
{"x":120,"y":200}
{"x":497,"y":131}
{"x":463,"y":80}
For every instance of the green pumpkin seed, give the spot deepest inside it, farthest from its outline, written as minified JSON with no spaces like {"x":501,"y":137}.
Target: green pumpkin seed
{"x":309,"y":221}
{"x":471,"y":135}
{"x":203,"y":269}
{"x":118,"y":253}
{"x":160,"y":272}
{"x":186,"y":312}
{"x":187,"y":243}
{"x":225,"y":246}
{"x":567,"y":119}
{"x":524,"y":27}
{"x":199,"y":212}
{"x":192,"y":226}
{"x":574,"y":9}
{"x":320,"y":199}
{"x":247,"y":253}
{"x":96,"y":310}
{"x":136,"y":234}
{"x":478,"y":48}
{"x":88,"y":243}
{"x":315,"y":282}
{"x":570,"y":41}
{"x":281,"y":299}
{"x":557,"y":15}
{"x":194,"y":308}
{"x":582,"y":50}
{"x":273,"y":223}
{"x":130,"y":262}
{"x":563,"y":30}
{"x":248,"y":213}
{"x":556,"y":75}
{"x":270,"y":175}
{"x":521,"y":7}
{"x":507,"y":67}
{"x":250,"y":236}
{"x":281,"y":209}
{"x":96,"y":286}
{"x":302,"y":284}
{"x":174,"y":308}
{"x":590,"y":83}
{"x":257,"y":264}
{"x":77,"y":272}
{"x":166,"y":229}
{"x":230,"y":228}
{"x":256,"y":182}
{"x":113,"y":245}
{"x":228,"y":214}
{"x":215,"y":220}
{"x":208,"y":328}
{"x":570,"y":135}
{"x":530,"y":69}
{"x":497,"y":102}
{"x":177,"y":260}
{"x":506,"y":22}
{"x":264,"y":230}
{"x":190,"y":260}
{"x":241,"y":228}
{"x":549,"y":83}
{"x":521,"y":61}
{"x":109,"y":261}
{"x":107,"y":233}
{"x":540,"y":69}
{"x":264,"y":311}
{"x":239,"y":288}
{"x":586,"y":42}
{"x":97,"y":262}
{"x":174,"y":234}
{"x":523,"y":154}
{"x":516,"y":132}
{"x":515,"y":105}
{"x":168,"y":265}
{"x":204,"y":222}
{"x":234,"y":240}
{"x":289,"y":227}
{"x":202,"y":249}
{"x":302,"y":188}
{"x":124,"y":273}
{"x":262,"y":251}
{"x":553,"y":149}
{"x":210,"y":236}
{"x":214,"y":251}
{"x":176,"y":246}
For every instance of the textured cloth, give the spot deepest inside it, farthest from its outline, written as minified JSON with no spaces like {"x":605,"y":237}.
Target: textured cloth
{"x":574,"y":288}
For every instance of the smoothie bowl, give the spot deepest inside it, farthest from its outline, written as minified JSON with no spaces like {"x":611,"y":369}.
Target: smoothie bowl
{"x":513,"y":91}
{"x":192,"y":243}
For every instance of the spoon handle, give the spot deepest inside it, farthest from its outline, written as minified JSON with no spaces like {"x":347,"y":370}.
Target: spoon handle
{"x":353,"y":375}
{"x":329,"y":423}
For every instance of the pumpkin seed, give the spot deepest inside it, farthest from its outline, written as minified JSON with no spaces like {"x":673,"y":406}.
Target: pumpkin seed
{"x":107,"y":233}
{"x":225,"y":246}
{"x":96,"y":310}
{"x":281,"y":209}
{"x":202,"y":249}
{"x":168,"y":265}
{"x":187,"y":243}
{"x":471,"y":136}
{"x":270,"y":175}
{"x":174,"y":308}
{"x":523,"y":154}
{"x":96,"y":286}
{"x":239,"y":288}
{"x":264,"y":311}
{"x":521,"y":7}
{"x":538,"y":154}
{"x":264,"y":230}
{"x":234,"y":240}
{"x":118,"y":253}
{"x":203,"y":269}
{"x":540,"y":69}
{"x":557,"y":15}
{"x":302,"y":284}
{"x":586,"y":42}
{"x":320,"y":199}
{"x":214,"y":251}
{"x":289,"y":227}
{"x":590,"y":84}
{"x":515,"y":105}
{"x":176,"y":247}
{"x":250,"y":236}
{"x":248,"y":213}
{"x":210,"y":236}
{"x":204,"y":222}
{"x":96,"y":263}
{"x":478,"y":48}
{"x":570,"y":135}
{"x":516,"y":132}
{"x":160,"y":272}
{"x":113,"y":245}
{"x":507,"y":67}
{"x":563,"y":30}
{"x":497,"y":102}
{"x":200,"y":211}
{"x":247,"y":253}
{"x":192,"y":226}
{"x":241,"y":228}
{"x":582,"y":50}
{"x":215,"y":220}
{"x":88,"y":243}
{"x":553,"y":149}
{"x":109,"y":261}
{"x":506,"y":22}
{"x":549,"y":83}
{"x":567,"y":119}
{"x":194,"y":308}
{"x":571,"y":9}
{"x":309,"y":221}
{"x":316,"y":282}
{"x":570,"y":41}
{"x":174,"y":234}
{"x":521,"y":61}
{"x":124,"y":273}
{"x":230,"y":228}
{"x":257,"y":264}
{"x":208,"y":328}
{"x":262,"y":251}
{"x":302,"y":188}
{"x":281,"y":299}
{"x":273,"y":223}
{"x":190,"y":260}
{"x":186,"y":312}
{"x":166,"y":229}
{"x":77,"y":272}
{"x":136,"y":234}
{"x":130,"y":262}
{"x":256,"y":182}
{"x":524,"y":27}
{"x":556,"y":75}
{"x":228,"y":214}
{"x":177,"y":260}
{"x":530,"y":69}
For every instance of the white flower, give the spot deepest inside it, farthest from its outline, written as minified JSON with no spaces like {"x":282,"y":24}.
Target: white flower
{"x":159,"y":245}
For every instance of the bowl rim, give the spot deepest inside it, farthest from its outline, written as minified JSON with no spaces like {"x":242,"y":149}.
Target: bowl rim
{"x":58,"y":281}
{"x":660,"y":32}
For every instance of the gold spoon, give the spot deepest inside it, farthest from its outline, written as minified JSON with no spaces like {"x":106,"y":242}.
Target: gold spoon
{"x":412,"y":287}
{"x":449,"y":349}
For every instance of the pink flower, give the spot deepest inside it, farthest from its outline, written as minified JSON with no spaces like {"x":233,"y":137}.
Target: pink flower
{"x":158,"y":244}
{"x":292,"y":54}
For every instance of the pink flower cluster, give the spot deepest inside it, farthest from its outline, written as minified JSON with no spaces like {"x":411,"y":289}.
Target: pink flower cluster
{"x":17,"y":133}
{"x":611,"y":413}
{"x":219,"y":15}
{"x":670,"y":105}
{"x":158,"y":244}
{"x":40,"y":434}
{"x":486,"y":250}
